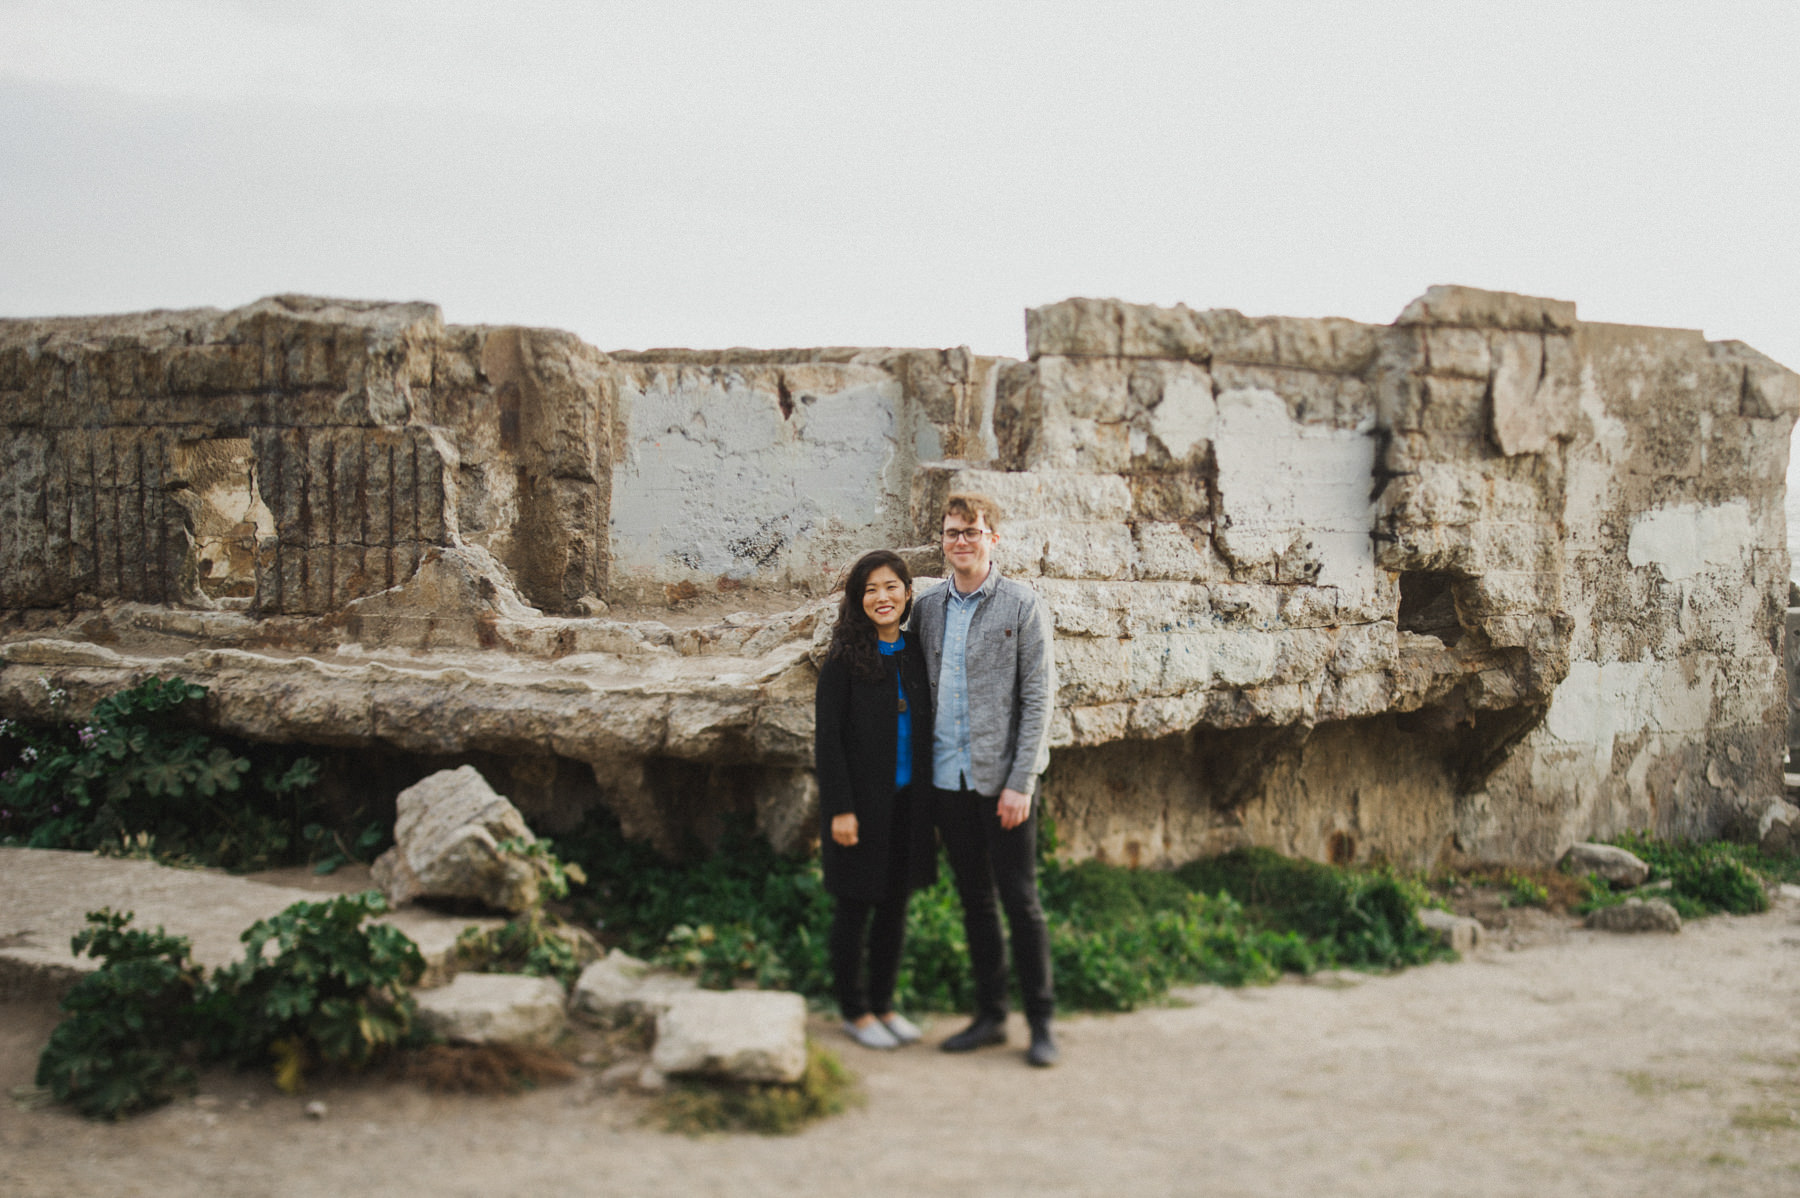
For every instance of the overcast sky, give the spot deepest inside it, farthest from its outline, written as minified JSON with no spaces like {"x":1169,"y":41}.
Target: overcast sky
{"x":778,"y":174}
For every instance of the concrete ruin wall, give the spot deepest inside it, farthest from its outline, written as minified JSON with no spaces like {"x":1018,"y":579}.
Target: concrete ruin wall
{"x":1474,"y":584}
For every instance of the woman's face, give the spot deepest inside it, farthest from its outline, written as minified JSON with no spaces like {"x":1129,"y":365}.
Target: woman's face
{"x":884,"y":598}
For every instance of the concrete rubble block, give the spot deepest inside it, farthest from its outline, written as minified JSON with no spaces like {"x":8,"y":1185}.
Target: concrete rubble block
{"x":1172,"y":413}
{"x":1312,"y":396}
{"x":739,"y":1035}
{"x":1098,"y":551}
{"x":1619,"y":866}
{"x":1474,"y":308}
{"x":1076,"y":327}
{"x":1167,"y":551}
{"x":1172,"y":497}
{"x":1168,"y":663}
{"x":1778,"y":827}
{"x":1458,"y":352}
{"x":618,"y":990}
{"x":1082,"y":388}
{"x":1034,"y":495}
{"x":1330,"y":344}
{"x":495,"y":1008}
{"x":1081,"y":608}
{"x":447,"y":845}
{"x":1146,"y":331}
{"x":1457,"y":932}
{"x":1636,"y":915}
{"x":1092,"y":669}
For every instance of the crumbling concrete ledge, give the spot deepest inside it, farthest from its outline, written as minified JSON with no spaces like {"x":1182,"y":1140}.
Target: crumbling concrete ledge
{"x":1482,"y":583}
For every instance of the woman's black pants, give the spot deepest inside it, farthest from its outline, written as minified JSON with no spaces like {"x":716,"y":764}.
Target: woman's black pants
{"x":879,"y":926}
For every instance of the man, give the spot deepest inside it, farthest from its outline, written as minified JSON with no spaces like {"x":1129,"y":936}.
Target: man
{"x":987,"y":643}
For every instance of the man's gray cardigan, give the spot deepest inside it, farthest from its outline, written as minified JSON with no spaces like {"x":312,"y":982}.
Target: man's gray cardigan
{"x":1011,"y":664}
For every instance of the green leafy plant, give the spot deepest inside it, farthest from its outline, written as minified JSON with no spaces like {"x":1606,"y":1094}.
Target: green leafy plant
{"x":332,"y":991}
{"x":1366,"y":919}
{"x":1524,"y":891}
{"x":826,"y":1088}
{"x":555,"y":876}
{"x":723,"y":956}
{"x":137,"y":768}
{"x":1710,"y":876}
{"x":535,"y":943}
{"x":122,"y":1043}
{"x":1119,"y":937}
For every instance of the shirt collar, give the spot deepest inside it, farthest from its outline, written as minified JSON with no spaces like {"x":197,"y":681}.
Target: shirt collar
{"x":985,"y":589}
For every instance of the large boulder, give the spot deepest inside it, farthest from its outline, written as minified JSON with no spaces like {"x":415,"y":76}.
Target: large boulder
{"x":495,"y":1008}
{"x":738,"y":1035}
{"x":447,"y":840}
{"x":618,"y":990}
{"x":1618,"y":866}
{"x":1636,"y":915}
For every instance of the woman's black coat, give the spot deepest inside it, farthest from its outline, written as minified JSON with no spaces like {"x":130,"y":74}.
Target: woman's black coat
{"x":856,"y":730}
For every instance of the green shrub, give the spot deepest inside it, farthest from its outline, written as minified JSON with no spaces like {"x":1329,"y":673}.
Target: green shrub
{"x":1523,"y":891}
{"x":122,"y":1043}
{"x":1709,"y":876}
{"x":699,"y":1107}
{"x":1719,"y":882}
{"x":535,"y":943}
{"x":138,"y":778}
{"x":1119,"y":937}
{"x":1355,"y":918}
{"x":316,"y":986}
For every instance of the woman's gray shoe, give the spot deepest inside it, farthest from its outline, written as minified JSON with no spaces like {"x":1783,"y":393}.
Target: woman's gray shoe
{"x":875,"y":1035}
{"x":903,"y":1029}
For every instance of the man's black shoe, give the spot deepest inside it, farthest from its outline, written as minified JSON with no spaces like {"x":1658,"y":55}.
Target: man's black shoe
{"x":1043,"y":1051}
{"x":980,"y":1034}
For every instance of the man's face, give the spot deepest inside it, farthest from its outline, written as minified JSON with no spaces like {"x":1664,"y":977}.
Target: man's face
{"x":968,"y":546}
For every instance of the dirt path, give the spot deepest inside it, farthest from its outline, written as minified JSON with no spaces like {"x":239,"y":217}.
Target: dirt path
{"x":1595,"y":1066}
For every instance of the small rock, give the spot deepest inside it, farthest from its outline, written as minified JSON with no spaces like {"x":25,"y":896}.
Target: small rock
{"x":621,"y":1074}
{"x":447,"y":838}
{"x":1457,"y":931}
{"x":316,"y":1109}
{"x":495,"y":1008}
{"x":589,"y":605}
{"x":618,"y":990}
{"x":1636,"y":915}
{"x":744,"y":1035}
{"x":650,"y":1080}
{"x":1778,"y":828}
{"x":1616,"y":865}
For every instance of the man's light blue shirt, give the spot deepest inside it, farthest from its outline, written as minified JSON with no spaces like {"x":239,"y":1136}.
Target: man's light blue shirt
{"x":952,"y":761}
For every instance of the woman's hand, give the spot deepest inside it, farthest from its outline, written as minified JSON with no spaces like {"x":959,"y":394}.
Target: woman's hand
{"x":843,"y":829}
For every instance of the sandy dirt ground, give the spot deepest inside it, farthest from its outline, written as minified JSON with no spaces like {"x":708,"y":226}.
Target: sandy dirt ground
{"x":1584,"y":1064}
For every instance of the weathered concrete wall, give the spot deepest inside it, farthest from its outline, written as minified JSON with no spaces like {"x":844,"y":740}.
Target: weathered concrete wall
{"x":775,"y":469}
{"x":1477,"y":583}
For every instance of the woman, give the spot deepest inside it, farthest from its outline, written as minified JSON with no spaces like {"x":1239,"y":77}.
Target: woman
{"x":873,"y":753}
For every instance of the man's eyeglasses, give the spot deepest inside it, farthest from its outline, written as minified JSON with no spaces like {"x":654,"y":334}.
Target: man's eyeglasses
{"x":967,"y":535}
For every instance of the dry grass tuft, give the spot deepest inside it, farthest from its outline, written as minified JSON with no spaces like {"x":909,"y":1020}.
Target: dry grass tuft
{"x":485,"y":1068}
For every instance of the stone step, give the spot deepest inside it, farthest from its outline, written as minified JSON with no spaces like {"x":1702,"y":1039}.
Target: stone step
{"x":45,"y":895}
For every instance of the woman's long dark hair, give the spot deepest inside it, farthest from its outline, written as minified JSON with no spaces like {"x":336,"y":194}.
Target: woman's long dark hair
{"x":853,"y":640}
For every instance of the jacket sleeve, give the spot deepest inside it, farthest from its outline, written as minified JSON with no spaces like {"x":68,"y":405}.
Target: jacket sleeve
{"x":1036,"y":696}
{"x":831,"y":703}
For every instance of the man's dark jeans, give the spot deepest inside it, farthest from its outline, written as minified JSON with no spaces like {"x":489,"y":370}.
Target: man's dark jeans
{"x":996,"y":868}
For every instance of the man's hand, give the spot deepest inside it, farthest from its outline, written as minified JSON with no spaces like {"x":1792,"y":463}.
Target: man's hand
{"x":1015,"y":808}
{"x":843,"y":828}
